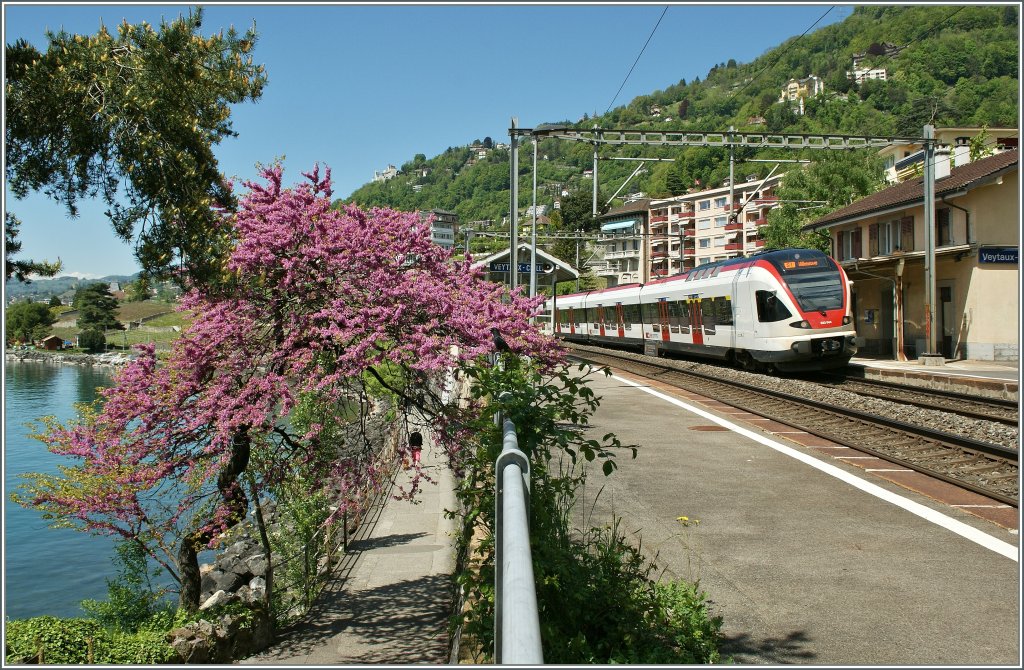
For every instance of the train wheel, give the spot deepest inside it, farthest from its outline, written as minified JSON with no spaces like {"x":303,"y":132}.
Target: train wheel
{"x":744,"y":360}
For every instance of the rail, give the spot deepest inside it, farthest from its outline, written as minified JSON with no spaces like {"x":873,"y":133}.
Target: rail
{"x":516,"y":620}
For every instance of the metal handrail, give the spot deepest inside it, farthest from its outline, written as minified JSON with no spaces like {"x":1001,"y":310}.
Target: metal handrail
{"x":516,"y":620}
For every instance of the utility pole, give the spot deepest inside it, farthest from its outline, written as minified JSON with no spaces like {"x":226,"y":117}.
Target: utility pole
{"x":596,"y":145}
{"x":513,"y":252}
{"x":533,"y":243}
{"x":733,"y":218}
{"x":579,"y":231}
{"x":929,"y":243}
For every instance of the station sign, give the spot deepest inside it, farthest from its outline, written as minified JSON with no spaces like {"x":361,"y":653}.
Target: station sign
{"x":1006,"y":255}
{"x":542,"y":268}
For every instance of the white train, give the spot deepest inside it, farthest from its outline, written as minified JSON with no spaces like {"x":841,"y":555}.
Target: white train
{"x":787,"y":309}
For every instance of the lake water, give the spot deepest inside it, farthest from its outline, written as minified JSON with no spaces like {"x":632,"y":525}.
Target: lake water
{"x":46,"y":571}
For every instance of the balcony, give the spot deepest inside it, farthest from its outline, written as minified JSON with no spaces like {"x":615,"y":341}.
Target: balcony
{"x":767,"y":200}
{"x":689,"y":232}
{"x":659,"y":254}
{"x":758,"y":243}
{"x":659,"y":273}
{"x":628,"y":253}
{"x":734,"y":226}
{"x":734,"y":207}
{"x":735,"y":246}
{"x":763,"y":221}
{"x":659,"y":219}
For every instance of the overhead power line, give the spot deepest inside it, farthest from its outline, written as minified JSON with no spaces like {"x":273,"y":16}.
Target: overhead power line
{"x":637,"y":59}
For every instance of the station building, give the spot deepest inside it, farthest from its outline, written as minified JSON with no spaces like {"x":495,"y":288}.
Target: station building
{"x":880,"y":242}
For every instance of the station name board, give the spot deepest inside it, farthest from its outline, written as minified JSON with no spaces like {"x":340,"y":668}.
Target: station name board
{"x":998,"y":255}
{"x":542,"y":268}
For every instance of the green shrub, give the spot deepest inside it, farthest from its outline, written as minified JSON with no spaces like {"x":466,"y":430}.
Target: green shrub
{"x":596,"y":599}
{"x":92,"y":340}
{"x":52,"y":640}
{"x":132,"y":603}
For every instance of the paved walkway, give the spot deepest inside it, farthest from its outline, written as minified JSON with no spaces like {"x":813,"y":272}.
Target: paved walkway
{"x":391,"y":596}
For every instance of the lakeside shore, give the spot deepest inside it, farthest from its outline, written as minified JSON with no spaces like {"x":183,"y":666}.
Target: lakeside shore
{"x":111,"y":359}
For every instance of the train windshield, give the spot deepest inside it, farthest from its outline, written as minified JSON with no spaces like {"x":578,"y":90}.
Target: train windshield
{"x":814,"y":281}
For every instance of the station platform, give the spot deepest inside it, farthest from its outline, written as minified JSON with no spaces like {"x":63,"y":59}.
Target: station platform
{"x":812,"y":554}
{"x":995,"y":379}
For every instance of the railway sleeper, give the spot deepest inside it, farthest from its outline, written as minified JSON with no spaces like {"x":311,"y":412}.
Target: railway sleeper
{"x":984,"y":468}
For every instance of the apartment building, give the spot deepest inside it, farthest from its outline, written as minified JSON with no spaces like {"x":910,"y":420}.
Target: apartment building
{"x":706,"y":226}
{"x":621,"y":252}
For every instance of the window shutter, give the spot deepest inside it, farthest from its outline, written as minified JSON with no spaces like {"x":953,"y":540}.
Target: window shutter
{"x":872,"y":240}
{"x":907,"y":233}
{"x":856,"y":243}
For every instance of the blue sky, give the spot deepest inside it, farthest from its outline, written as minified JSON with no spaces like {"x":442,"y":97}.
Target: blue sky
{"x":358,"y":87}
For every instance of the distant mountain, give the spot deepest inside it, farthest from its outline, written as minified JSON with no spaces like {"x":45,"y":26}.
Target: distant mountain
{"x":45,"y":288}
{"x":950,"y":66}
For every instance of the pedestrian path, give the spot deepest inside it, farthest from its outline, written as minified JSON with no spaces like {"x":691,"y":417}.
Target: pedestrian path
{"x":391,"y":596}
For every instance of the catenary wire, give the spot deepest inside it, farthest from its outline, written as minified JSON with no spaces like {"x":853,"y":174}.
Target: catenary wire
{"x":637,"y":59}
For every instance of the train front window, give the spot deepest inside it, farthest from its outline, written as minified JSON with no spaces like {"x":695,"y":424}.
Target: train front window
{"x":812,"y":278}
{"x":816,"y":290}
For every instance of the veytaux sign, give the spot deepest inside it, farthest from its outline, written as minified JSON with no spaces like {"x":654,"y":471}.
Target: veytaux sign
{"x":542,"y":268}
{"x":1006,"y":255}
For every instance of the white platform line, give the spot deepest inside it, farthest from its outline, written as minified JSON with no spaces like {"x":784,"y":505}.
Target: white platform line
{"x":926,"y":513}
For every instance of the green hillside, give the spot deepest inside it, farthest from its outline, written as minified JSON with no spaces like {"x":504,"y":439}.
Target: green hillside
{"x":951,"y":66}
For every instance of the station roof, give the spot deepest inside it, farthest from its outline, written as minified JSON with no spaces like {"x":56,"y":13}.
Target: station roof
{"x":547,"y":264}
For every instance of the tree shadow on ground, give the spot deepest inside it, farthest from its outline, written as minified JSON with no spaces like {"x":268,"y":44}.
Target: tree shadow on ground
{"x":372,"y":543}
{"x":742,"y":648}
{"x":400,"y":623}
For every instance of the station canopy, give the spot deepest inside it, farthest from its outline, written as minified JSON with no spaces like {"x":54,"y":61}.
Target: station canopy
{"x":497,"y":266}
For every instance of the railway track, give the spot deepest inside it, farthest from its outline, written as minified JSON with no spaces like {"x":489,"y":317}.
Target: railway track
{"x":985,"y":409}
{"x":987,"y":469}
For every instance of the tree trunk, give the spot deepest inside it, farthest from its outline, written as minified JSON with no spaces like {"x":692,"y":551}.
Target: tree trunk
{"x":233,"y":496}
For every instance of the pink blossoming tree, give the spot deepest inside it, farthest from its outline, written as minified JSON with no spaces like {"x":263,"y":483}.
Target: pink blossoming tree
{"x":317,"y":303}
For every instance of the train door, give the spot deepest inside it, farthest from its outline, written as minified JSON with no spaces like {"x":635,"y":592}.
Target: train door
{"x":696,"y":320}
{"x":663,"y":318}
{"x":572,"y":322}
{"x":619,"y":320}
{"x":599,"y":318}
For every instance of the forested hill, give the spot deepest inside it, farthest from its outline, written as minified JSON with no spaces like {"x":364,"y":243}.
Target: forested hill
{"x":946,"y":65}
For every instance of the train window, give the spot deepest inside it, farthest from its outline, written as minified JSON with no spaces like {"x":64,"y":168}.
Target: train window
{"x":678,"y":317}
{"x":631,"y":314}
{"x":650,"y":313}
{"x":723,"y":311}
{"x":769,"y":307}
{"x":707,"y":308}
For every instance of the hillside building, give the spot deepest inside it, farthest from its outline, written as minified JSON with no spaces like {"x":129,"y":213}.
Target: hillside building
{"x":388,"y":173}
{"x":444,"y":227}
